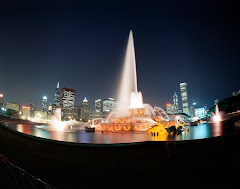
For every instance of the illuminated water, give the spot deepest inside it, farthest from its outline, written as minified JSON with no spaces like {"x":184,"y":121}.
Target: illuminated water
{"x":128,"y":81}
{"x":206,"y":130}
{"x":217,"y":116}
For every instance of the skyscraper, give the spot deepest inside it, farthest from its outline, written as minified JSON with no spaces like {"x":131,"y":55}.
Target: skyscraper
{"x":67,"y":102}
{"x":184,"y":95}
{"x":175,"y":103}
{"x":1,"y":100}
{"x":169,"y":108}
{"x":57,"y":96}
{"x":33,"y":108}
{"x":44,"y":104}
{"x":85,"y":111}
{"x":106,"y":106}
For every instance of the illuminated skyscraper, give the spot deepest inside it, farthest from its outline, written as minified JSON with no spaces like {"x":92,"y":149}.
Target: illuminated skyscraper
{"x":57,"y":96}
{"x":44,"y":104}
{"x":85,"y":111}
{"x":184,"y":94}
{"x":67,"y":103}
{"x":175,"y":103}
{"x":170,"y":108}
{"x":106,"y":106}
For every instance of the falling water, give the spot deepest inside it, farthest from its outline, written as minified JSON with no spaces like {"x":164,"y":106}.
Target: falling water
{"x":56,"y":122}
{"x":129,"y":76}
{"x":217,"y":116}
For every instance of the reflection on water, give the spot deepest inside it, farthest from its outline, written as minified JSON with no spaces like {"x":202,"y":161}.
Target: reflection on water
{"x":201,"y":131}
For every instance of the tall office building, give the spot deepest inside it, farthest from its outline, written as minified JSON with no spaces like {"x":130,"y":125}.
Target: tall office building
{"x":106,"y":106}
{"x":57,"y":96}
{"x":1,"y":100}
{"x":175,"y":103}
{"x":33,"y":108}
{"x":44,"y":104}
{"x":98,"y":105}
{"x":85,"y":111}
{"x":25,"y":112}
{"x":184,"y":95}
{"x":13,"y":106}
{"x":67,"y":103}
{"x":170,"y":108}
{"x":56,"y":99}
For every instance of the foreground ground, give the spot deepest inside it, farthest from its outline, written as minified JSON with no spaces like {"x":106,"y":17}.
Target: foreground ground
{"x":207,"y":163}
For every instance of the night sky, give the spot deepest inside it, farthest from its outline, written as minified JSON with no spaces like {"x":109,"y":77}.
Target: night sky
{"x":83,"y":46}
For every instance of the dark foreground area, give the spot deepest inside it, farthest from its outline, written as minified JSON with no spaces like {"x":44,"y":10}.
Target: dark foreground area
{"x":207,"y":162}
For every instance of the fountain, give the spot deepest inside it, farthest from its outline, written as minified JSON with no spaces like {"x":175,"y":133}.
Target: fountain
{"x":57,"y":125}
{"x":217,"y":117}
{"x":56,"y":122}
{"x":133,"y":114}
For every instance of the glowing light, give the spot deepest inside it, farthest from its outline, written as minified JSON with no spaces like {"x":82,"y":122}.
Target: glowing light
{"x":26,"y":107}
{"x":136,"y":100}
{"x":45,"y":98}
{"x":85,"y":99}
{"x":168,"y":104}
{"x":216,"y":118}
{"x":1,"y":95}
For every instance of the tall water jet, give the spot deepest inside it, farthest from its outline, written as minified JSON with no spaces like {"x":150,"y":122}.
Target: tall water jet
{"x":128,"y":83}
{"x":133,"y":115}
{"x":217,"y":116}
{"x":56,"y":123}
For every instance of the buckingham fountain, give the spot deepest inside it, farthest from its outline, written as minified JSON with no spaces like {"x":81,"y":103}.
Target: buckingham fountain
{"x":132,"y":114}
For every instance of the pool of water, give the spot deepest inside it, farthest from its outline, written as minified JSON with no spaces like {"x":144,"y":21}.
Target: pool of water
{"x":204,"y":130}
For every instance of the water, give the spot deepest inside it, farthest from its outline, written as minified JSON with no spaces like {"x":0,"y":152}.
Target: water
{"x":205,"y":130}
{"x":217,"y":116}
{"x":128,"y":82}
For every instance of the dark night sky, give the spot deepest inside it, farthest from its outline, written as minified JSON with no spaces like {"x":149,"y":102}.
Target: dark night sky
{"x":83,"y":46}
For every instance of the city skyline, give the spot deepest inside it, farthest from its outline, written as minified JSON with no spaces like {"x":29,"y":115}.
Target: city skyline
{"x":173,"y":45}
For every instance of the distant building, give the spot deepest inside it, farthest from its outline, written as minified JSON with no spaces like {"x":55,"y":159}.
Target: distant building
{"x":105,"y":106}
{"x":98,"y":105}
{"x":184,"y":95}
{"x":25,"y":112}
{"x":236,"y":93}
{"x":170,"y":108}
{"x":1,"y":100}
{"x":44,"y":104}
{"x":85,"y":111}
{"x":56,"y":99}
{"x":50,"y":109}
{"x":13,"y":106}
{"x":32,"y":109}
{"x":41,"y":116}
{"x":95,"y":114}
{"x":192,"y":111}
{"x":12,"y":110}
{"x":76,"y":113}
{"x":175,"y":103}
{"x":67,"y":103}
{"x":201,"y":112}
